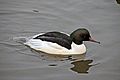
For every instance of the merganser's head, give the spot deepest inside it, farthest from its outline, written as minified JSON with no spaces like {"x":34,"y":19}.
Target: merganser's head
{"x":80,"y":35}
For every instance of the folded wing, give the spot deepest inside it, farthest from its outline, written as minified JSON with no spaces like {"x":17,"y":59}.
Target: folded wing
{"x":56,"y":37}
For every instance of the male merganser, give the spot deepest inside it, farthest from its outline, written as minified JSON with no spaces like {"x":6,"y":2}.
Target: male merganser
{"x":60,"y":43}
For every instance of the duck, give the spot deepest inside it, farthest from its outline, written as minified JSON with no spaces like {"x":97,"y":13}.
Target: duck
{"x":60,"y":43}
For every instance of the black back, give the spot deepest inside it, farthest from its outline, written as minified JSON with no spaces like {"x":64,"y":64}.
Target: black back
{"x":56,"y":37}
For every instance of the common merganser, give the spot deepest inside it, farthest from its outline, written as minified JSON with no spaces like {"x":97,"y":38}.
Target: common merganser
{"x":60,"y":43}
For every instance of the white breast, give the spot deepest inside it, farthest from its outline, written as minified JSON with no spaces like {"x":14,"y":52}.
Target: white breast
{"x":78,"y":49}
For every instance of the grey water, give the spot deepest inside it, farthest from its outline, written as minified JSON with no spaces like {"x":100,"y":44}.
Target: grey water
{"x":24,"y":18}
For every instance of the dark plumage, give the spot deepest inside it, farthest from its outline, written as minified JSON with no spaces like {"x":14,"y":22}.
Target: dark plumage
{"x":77,"y":36}
{"x":56,"y":37}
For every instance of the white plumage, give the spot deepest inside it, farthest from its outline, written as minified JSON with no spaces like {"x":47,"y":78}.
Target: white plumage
{"x":54,"y":48}
{"x":60,"y":43}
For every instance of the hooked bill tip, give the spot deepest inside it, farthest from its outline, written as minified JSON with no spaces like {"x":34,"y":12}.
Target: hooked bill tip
{"x":92,"y":40}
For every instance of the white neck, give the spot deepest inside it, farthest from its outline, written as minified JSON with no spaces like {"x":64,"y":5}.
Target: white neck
{"x":78,"y":48}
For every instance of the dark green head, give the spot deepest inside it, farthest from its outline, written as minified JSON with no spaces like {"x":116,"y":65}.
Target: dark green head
{"x":80,"y":35}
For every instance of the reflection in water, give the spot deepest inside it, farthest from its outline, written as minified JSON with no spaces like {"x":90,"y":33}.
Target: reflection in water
{"x":46,"y":56}
{"x":81,"y":66}
{"x":35,"y":11}
{"x":52,"y":65}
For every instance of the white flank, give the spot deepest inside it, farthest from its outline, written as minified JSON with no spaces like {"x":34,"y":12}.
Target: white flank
{"x":54,"y":48}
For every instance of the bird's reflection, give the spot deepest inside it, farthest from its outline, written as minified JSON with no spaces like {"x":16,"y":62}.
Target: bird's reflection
{"x":81,"y":66}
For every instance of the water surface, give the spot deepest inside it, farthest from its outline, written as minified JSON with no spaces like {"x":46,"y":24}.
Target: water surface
{"x":25,"y":18}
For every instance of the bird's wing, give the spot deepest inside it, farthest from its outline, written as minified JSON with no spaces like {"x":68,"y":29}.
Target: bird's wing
{"x":56,"y":37}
